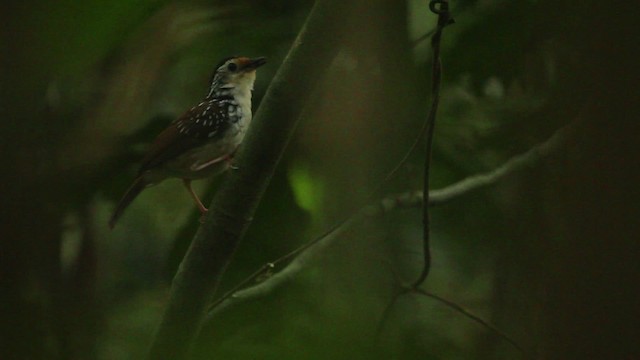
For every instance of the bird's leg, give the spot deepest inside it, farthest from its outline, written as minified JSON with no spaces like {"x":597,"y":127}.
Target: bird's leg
{"x":201,"y":207}
{"x":230,"y":163}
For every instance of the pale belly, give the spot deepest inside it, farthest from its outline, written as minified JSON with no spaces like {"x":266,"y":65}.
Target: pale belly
{"x":208,"y":160}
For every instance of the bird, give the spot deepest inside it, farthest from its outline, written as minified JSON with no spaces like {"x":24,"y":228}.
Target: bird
{"x":202,"y":142}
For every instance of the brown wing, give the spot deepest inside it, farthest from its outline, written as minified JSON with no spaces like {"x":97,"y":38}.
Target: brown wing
{"x":204,"y":123}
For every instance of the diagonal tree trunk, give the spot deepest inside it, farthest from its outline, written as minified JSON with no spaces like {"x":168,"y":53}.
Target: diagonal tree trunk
{"x":233,"y":206}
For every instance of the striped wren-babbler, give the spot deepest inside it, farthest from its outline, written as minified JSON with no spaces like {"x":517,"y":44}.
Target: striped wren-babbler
{"x":201,"y":143}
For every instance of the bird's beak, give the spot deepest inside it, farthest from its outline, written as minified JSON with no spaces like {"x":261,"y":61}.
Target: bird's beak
{"x":252,"y":64}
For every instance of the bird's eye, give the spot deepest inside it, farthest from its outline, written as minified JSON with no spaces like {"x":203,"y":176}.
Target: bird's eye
{"x":232,"y":67}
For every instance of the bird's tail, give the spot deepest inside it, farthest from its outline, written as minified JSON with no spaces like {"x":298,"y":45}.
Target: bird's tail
{"x":134,"y":190}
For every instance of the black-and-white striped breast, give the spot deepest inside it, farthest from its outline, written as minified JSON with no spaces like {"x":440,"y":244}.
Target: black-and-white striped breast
{"x":213,"y":120}
{"x":209,"y":119}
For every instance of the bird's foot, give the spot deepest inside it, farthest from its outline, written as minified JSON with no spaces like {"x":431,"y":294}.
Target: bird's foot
{"x":230,"y":163}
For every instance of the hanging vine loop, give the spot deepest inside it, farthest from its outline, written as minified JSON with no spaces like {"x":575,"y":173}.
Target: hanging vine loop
{"x":441,"y":8}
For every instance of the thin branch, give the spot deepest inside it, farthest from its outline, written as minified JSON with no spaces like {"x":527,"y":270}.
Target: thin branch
{"x":423,"y":37}
{"x":234,"y":204}
{"x":313,"y":249}
{"x":444,"y":19}
{"x":459,"y":309}
{"x":386,"y":313}
{"x":407,"y":200}
{"x":414,"y":199}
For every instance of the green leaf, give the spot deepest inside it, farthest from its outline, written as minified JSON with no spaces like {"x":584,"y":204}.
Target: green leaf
{"x":308,"y":190}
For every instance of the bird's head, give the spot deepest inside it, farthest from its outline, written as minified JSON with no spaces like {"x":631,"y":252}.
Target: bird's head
{"x":236,"y":72}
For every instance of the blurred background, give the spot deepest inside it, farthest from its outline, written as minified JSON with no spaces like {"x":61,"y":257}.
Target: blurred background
{"x":549,"y":254}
